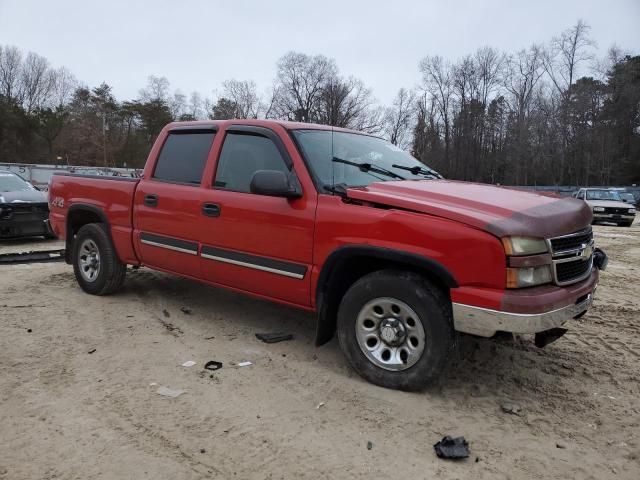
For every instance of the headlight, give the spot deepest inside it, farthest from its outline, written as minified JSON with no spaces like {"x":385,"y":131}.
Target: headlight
{"x":528,"y":276}
{"x":632,"y":211}
{"x":598,"y":209}
{"x":524,"y":245}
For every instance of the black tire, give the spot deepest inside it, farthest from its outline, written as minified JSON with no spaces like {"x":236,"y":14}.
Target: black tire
{"x":433,"y":309}
{"x":628,"y":224}
{"x":111,"y":272}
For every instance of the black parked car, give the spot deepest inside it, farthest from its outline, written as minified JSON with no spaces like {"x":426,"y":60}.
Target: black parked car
{"x":24,"y":211}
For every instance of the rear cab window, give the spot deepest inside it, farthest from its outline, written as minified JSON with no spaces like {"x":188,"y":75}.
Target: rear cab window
{"x":183,"y":157}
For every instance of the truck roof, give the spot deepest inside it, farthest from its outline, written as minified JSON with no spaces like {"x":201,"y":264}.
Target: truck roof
{"x":264,"y":123}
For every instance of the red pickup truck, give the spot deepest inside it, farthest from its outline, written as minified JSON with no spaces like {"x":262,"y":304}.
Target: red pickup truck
{"x":389,"y":255}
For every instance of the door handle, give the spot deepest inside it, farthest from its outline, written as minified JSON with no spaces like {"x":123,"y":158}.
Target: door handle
{"x":151,"y":200}
{"x":211,"y":209}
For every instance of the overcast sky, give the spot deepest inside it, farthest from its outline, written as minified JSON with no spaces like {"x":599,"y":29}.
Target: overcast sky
{"x":198,"y":44}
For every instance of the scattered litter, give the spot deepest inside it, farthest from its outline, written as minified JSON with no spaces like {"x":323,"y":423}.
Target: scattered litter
{"x":93,"y":350}
{"x":202,"y":450}
{"x":29,"y":330}
{"x":189,"y":363}
{"x":244,"y":364}
{"x":274,"y":337}
{"x":369,"y":445}
{"x":560,"y":445}
{"x":612,"y":398}
{"x":166,"y":313}
{"x":129,"y":316}
{"x":321,"y":404}
{"x":152,"y":384}
{"x":454,"y":448}
{"x":512,"y":408}
{"x":213,"y":365}
{"x":169,"y":392}
{"x":171,"y":328}
{"x":185,"y":310}
{"x":209,"y":338}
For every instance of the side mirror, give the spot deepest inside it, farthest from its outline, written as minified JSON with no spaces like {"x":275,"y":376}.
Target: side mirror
{"x":274,"y":183}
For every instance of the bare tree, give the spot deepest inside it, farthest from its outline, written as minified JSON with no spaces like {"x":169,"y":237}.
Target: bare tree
{"x":178,"y":106}
{"x":65,"y":83}
{"x":36,"y":82}
{"x":196,"y":106}
{"x":10,"y":66}
{"x":244,"y":95}
{"x":565,"y":55}
{"x":438,"y":82}
{"x":488,"y":66}
{"x":299,"y":86}
{"x":521,"y":76}
{"x":157,"y":89}
{"x":399,"y":118}
{"x":348,"y":103}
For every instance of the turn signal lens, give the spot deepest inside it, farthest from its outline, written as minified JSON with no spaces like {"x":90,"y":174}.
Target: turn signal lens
{"x":528,"y":276}
{"x":524,"y":245}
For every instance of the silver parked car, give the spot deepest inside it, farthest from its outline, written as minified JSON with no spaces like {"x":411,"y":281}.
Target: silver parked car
{"x":607,"y":206}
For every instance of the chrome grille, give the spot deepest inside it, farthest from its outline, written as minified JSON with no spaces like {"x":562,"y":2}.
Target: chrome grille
{"x":571,"y":242}
{"x":572,"y":256}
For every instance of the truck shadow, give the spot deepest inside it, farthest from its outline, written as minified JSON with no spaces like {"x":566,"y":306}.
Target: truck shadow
{"x":513,"y":365}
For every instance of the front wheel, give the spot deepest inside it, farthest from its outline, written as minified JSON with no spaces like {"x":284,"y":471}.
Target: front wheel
{"x":95,"y":263}
{"x":396,"y":330}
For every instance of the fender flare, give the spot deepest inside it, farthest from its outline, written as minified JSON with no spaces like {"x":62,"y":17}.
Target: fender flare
{"x":68,"y":250}
{"x":327,"y":313}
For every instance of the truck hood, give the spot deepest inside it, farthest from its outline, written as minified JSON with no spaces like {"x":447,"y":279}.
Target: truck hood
{"x":497,"y":210}
{"x":29,"y":196}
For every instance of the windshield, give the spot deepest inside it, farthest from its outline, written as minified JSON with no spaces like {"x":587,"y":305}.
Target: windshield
{"x":603,"y":195}
{"x":13,"y":183}
{"x":628,"y":197}
{"x":332,"y":160}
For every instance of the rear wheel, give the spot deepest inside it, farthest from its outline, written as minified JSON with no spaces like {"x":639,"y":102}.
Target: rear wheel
{"x":395,"y":329}
{"x":95,"y":263}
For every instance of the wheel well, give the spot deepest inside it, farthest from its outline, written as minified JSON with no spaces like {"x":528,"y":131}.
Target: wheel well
{"x":76,"y":219}
{"x":345,"y":270}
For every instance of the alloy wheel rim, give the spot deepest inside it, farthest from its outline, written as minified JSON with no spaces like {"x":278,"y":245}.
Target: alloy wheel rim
{"x":390,"y":334}
{"x":89,"y":260}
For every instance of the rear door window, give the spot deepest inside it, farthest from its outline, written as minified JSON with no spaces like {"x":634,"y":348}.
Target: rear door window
{"x":183,"y":157}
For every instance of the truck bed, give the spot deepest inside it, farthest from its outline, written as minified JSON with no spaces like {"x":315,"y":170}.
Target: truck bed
{"x":110,"y":197}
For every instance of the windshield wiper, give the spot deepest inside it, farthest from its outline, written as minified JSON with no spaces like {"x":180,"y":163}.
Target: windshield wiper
{"x":369,"y":167}
{"x":418,"y":170}
{"x":338,"y":189}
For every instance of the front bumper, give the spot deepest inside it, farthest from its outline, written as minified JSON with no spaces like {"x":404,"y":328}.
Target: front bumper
{"x":614,"y":217}
{"x":553,"y":306}
{"x":24,"y":220}
{"x":486,"y":323}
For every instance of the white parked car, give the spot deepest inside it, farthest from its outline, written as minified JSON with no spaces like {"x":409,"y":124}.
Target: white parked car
{"x":607,"y":206}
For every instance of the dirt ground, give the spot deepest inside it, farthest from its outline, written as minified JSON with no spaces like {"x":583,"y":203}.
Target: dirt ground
{"x":298,"y":411}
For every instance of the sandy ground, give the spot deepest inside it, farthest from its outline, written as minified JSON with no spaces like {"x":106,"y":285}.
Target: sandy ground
{"x":66,"y":413}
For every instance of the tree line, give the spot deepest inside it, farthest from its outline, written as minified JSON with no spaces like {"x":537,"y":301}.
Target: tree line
{"x":528,"y":117}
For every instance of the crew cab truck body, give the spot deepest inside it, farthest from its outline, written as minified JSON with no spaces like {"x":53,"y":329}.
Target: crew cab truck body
{"x":391,"y":256}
